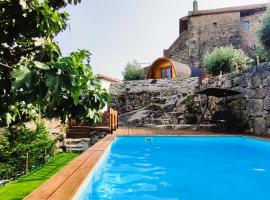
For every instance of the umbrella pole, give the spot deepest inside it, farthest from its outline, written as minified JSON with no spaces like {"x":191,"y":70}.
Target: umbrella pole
{"x":201,"y":118}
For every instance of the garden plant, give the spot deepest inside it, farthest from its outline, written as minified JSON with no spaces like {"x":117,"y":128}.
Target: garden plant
{"x":37,"y":81}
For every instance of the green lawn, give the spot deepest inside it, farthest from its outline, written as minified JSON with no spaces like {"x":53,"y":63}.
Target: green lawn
{"x":25,"y":185}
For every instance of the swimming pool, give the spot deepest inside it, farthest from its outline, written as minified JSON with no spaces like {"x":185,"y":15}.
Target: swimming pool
{"x":182,"y":168}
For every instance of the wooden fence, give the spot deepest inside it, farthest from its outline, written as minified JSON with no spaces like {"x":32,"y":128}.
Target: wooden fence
{"x":109,"y":123}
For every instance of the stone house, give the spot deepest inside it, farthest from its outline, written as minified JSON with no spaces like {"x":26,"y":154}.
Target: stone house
{"x":203,"y":30}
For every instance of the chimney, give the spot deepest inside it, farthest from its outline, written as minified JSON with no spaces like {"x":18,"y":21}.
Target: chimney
{"x":195,"y":6}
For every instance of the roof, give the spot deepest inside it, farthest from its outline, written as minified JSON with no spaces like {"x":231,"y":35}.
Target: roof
{"x":107,"y":78}
{"x":262,"y":6}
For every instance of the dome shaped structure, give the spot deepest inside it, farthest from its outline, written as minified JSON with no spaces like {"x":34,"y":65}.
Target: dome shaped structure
{"x":167,"y":68}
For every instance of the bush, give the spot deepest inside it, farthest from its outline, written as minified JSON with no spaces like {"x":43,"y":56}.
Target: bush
{"x":226,"y":60}
{"x":16,"y":143}
{"x":264,"y":31}
{"x":262,"y":54}
{"x":133,"y":71}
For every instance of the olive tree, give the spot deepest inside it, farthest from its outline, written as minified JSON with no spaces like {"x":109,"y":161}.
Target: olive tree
{"x":226,"y":60}
{"x":133,"y":71}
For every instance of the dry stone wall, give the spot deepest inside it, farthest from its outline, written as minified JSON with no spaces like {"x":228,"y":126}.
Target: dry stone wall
{"x":147,"y":102}
{"x":252,"y":107}
{"x":159,"y":103}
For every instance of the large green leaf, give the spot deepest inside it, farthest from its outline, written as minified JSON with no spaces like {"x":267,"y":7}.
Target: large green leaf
{"x":53,"y":82}
{"x":76,"y":93}
{"x":20,"y":73}
{"x":41,"y":65}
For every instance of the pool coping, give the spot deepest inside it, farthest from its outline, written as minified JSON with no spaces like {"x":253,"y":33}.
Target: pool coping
{"x":67,"y":183}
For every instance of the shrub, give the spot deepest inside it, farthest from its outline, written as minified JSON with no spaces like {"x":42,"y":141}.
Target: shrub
{"x":190,"y":104}
{"x":226,"y":60}
{"x":16,"y":143}
{"x":261,"y":54}
{"x":133,"y":71}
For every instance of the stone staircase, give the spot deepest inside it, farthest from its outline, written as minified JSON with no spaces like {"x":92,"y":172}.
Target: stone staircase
{"x":163,"y":114}
{"x":77,"y":145}
{"x":79,"y":139}
{"x":148,"y":104}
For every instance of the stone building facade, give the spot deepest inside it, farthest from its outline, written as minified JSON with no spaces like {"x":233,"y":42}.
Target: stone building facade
{"x":203,"y":30}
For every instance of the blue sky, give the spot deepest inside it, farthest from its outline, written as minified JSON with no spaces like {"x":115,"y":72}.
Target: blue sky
{"x":118,"y":31}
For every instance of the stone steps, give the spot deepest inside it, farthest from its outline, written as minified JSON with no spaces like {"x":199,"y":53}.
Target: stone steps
{"x":78,"y":145}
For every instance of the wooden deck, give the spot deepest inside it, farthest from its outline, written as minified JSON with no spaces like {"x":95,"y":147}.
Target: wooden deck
{"x":66,"y":183}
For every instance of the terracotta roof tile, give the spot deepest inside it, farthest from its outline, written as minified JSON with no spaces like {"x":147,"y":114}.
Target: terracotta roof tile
{"x":101,"y":76}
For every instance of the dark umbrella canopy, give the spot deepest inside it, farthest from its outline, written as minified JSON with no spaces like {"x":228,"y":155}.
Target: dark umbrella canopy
{"x":218,"y":92}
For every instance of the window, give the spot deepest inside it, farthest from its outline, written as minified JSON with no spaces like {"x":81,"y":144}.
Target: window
{"x":247,"y":13}
{"x":166,"y":72}
{"x":163,"y":74}
{"x":246,"y":25}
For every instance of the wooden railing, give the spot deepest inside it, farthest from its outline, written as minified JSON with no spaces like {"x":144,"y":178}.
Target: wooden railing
{"x":109,"y":123}
{"x":111,"y":119}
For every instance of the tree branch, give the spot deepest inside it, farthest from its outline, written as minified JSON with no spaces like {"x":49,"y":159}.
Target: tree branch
{"x":6,"y":66}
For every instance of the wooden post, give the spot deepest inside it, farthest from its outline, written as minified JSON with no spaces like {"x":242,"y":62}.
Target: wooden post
{"x":114,"y":120}
{"x":110,"y":117}
{"x":27,"y":163}
{"x":258,"y":60}
{"x":117,"y":118}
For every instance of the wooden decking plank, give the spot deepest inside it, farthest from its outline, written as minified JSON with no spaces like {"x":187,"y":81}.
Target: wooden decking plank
{"x":45,"y":190}
{"x":99,"y":144}
{"x":73,"y":183}
{"x":82,"y":164}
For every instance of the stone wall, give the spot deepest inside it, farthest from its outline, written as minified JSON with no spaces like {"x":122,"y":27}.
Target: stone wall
{"x":179,"y":50}
{"x":159,"y":103}
{"x":252,"y":107}
{"x":204,"y":36}
{"x":206,"y":32}
{"x":148,"y":102}
{"x":249,"y":38}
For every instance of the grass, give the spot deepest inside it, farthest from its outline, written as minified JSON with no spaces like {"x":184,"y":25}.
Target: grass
{"x":26,"y":184}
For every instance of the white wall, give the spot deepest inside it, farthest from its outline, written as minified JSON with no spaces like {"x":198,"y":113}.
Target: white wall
{"x":106,"y":85}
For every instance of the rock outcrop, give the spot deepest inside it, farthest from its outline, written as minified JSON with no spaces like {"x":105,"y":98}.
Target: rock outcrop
{"x":152,"y":102}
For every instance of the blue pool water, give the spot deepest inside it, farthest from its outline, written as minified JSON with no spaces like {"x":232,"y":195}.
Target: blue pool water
{"x":183,"y":168}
